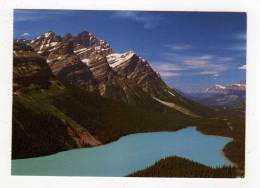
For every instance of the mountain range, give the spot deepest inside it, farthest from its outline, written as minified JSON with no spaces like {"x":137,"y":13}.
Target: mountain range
{"x":90,"y":63}
{"x":75,"y":91}
{"x":227,"y":96}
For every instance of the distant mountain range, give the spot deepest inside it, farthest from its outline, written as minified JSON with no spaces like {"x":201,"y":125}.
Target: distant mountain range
{"x":229,"y":96}
{"x":75,"y":91}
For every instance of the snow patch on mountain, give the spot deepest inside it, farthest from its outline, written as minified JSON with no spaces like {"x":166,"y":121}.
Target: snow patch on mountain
{"x":171,"y":93}
{"x":46,"y":35}
{"x":230,"y":95}
{"x":86,"y":61}
{"x":220,"y":86}
{"x":80,"y":50}
{"x":104,"y":68}
{"x":176,"y":107}
{"x":53,"y":44}
{"x":117,"y":59}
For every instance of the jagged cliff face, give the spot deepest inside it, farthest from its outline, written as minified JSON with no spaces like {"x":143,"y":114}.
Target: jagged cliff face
{"x":39,"y":128}
{"x":91,"y":64}
{"x":130,"y":66}
{"x":30,"y":69}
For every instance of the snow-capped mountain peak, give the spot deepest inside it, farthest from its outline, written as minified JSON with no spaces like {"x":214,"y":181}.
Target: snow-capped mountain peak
{"x":117,"y":59}
{"x":217,"y":86}
{"x":91,"y":64}
{"x":222,"y":95}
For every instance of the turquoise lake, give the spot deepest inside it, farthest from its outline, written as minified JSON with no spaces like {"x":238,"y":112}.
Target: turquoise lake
{"x":128,"y":154}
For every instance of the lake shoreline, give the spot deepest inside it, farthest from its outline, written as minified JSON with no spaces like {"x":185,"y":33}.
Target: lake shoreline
{"x":188,"y":143}
{"x":222,"y":150}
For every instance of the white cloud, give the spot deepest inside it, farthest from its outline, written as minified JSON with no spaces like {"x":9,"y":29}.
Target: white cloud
{"x":192,"y":65}
{"x":225,"y":59}
{"x":209,"y":72}
{"x":237,"y":47}
{"x":208,"y":65}
{"x":206,"y":57}
{"x":178,"y":47}
{"x":196,"y":62}
{"x":169,"y":74}
{"x":25,"y":34}
{"x":167,"y":67}
{"x":243,"y":67}
{"x":36,"y":15}
{"x":239,"y":36}
{"x":23,"y":16}
{"x":239,"y":42}
{"x":148,"y":21}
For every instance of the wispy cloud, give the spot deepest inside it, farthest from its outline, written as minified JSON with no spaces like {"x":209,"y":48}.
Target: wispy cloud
{"x":243,"y":67}
{"x":206,"y":64}
{"x":214,"y":74}
{"x":196,"y":62}
{"x":178,"y":47}
{"x":25,"y":35}
{"x":167,"y":67}
{"x":168,"y":74}
{"x":239,"y":43}
{"x":239,"y":36}
{"x":149,"y":21}
{"x":36,"y":15}
{"x":237,"y":47}
{"x":28,"y":15}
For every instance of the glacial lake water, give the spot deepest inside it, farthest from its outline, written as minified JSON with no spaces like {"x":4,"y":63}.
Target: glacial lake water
{"x":128,"y":154}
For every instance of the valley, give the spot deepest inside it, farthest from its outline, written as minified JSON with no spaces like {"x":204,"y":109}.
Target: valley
{"x":72,"y":92}
{"x":128,"y":154}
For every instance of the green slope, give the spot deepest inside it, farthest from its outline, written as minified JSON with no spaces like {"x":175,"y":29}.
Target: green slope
{"x":58,"y":118}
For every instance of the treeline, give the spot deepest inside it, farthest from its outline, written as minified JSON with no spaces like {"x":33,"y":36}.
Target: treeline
{"x":39,"y":120}
{"x":233,"y":126}
{"x":36,"y":133}
{"x":180,"y":167}
{"x":110,"y":119}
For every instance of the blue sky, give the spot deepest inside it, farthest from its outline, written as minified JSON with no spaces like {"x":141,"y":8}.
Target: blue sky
{"x":190,"y":50}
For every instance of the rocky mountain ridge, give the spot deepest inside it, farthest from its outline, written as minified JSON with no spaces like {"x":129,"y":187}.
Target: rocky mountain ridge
{"x":74,"y":91}
{"x":50,"y":116}
{"x":229,"y":95}
{"x":240,"y":86}
{"x":91,"y":64}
